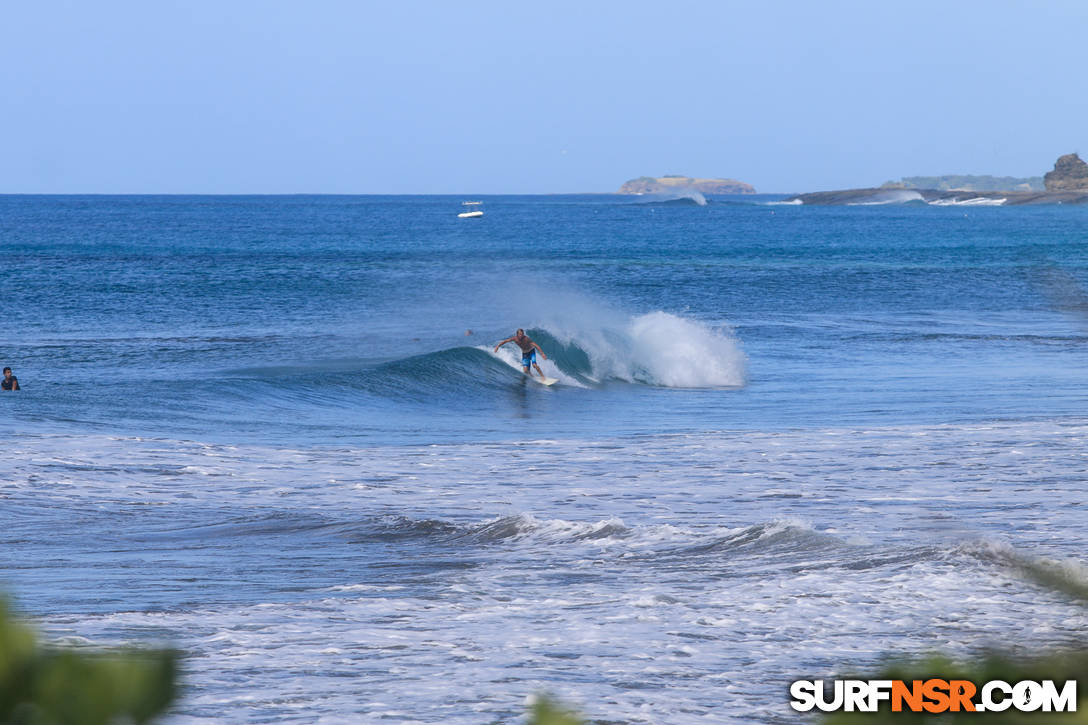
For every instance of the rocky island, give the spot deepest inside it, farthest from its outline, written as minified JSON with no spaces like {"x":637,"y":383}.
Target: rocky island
{"x":1066,"y":184}
{"x":673,"y":183}
{"x":1070,"y":174}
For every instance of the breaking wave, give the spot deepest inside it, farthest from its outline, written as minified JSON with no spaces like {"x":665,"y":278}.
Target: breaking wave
{"x":680,"y":196}
{"x":657,"y":348}
{"x":590,"y":348}
{"x":891,"y":196}
{"x":973,"y":201}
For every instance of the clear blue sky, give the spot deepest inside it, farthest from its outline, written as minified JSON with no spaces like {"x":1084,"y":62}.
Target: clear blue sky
{"x":518,"y":97}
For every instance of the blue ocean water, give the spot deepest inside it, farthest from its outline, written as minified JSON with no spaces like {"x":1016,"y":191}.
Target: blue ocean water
{"x":272,"y":432}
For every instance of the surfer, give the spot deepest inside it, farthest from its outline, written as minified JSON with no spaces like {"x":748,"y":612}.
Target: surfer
{"x":10,"y":382}
{"x":528,"y":351}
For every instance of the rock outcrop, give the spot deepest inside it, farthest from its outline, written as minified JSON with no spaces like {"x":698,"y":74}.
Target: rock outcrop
{"x":664,"y":184}
{"x":1070,"y":174}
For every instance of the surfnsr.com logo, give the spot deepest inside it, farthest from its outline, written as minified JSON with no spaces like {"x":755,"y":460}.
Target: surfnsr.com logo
{"x":933,"y":696}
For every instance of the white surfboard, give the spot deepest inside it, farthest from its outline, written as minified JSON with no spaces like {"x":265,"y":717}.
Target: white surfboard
{"x":545,"y":381}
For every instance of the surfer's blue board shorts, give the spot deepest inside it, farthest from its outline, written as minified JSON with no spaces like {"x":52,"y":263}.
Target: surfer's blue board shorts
{"x":528,"y":358}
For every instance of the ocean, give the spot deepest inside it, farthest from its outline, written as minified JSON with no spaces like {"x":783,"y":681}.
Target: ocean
{"x":787,"y":442}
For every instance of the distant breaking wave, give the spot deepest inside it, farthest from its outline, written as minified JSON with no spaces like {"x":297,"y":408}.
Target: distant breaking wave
{"x":881,"y":197}
{"x":891,"y":196}
{"x":974,"y":201}
{"x":680,"y":196}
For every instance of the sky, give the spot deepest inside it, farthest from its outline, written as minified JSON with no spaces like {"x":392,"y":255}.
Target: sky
{"x":415,"y":97}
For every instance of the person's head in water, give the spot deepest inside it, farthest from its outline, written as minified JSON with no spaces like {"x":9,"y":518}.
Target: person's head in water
{"x":520,"y":333}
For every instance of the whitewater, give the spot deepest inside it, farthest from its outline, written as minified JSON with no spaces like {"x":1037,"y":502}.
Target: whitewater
{"x":788,"y":442}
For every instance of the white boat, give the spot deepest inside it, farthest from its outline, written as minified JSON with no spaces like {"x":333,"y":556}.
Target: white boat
{"x":470,"y":212}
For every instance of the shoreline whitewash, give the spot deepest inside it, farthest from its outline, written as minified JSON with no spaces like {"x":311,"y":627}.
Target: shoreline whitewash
{"x":683,"y":563}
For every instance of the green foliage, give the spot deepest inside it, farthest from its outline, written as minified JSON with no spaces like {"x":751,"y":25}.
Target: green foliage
{"x":546,"y":711}
{"x":40,"y":686}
